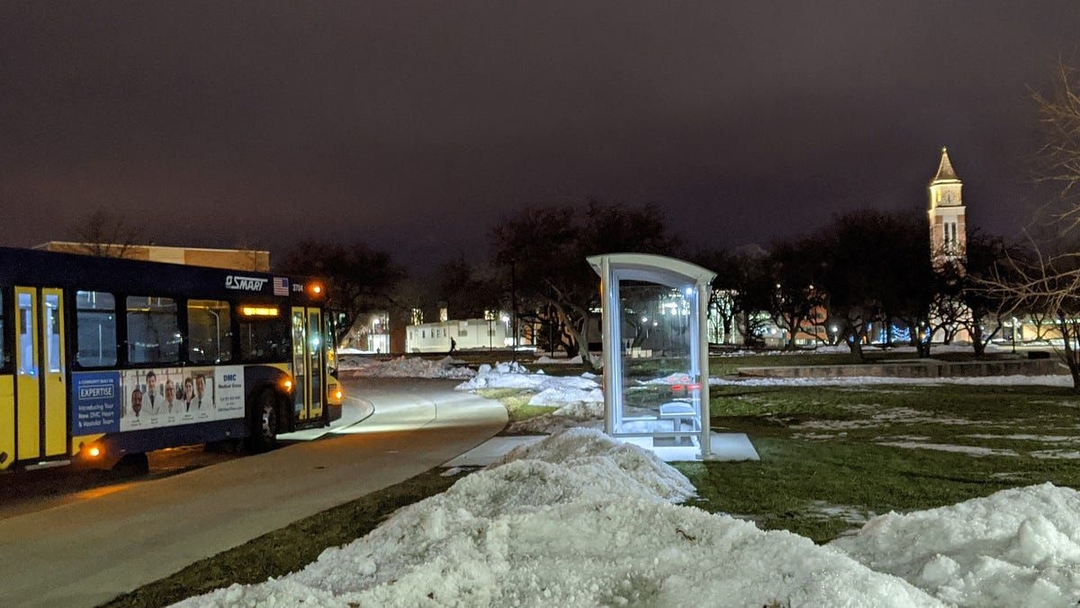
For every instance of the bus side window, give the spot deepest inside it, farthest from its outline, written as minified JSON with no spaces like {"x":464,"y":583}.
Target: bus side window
{"x":209,"y":331}
{"x":152,"y":330}
{"x":264,"y":340}
{"x":95,"y":322}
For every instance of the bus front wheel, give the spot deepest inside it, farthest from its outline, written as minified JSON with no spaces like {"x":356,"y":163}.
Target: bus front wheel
{"x":135,"y":464}
{"x":265,"y":421}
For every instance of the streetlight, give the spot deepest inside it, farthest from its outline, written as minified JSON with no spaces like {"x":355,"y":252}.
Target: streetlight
{"x":513,"y":307}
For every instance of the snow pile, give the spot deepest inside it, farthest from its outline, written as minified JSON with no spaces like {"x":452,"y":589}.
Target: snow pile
{"x":576,"y":520}
{"x":634,"y":465}
{"x":514,"y":375}
{"x":579,"y":398}
{"x":405,"y":367}
{"x":1015,"y":547}
{"x":546,"y":360}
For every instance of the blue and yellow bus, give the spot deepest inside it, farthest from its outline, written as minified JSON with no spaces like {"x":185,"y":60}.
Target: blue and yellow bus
{"x":104,"y":359}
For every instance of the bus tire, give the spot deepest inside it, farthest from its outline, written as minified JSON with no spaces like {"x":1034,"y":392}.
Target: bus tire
{"x":265,"y":421}
{"x":136,"y":465}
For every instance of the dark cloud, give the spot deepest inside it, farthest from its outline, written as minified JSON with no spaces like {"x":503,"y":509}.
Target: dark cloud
{"x":414,"y":126}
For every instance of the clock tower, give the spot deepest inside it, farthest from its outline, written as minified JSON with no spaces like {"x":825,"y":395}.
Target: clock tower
{"x":948,"y":230}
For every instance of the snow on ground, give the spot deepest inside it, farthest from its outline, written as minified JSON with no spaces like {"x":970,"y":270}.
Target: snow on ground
{"x":546,"y":360}
{"x":404,"y":367}
{"x":580,"y":519}
{"x":1018,"y":547}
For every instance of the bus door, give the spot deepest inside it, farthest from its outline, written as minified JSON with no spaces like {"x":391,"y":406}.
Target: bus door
{"x":40,"y":388}
{"x":315,"y":362}
{"x":307,"y":362}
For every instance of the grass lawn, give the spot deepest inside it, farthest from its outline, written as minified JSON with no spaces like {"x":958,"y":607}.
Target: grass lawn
{"x":830,"y":459}
{"x":833,"y":457}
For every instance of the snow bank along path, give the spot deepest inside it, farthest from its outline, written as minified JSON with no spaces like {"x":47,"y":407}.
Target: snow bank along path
{"x":580,"y":519}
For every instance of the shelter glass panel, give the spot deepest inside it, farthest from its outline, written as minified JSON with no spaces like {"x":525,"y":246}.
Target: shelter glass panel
{"x":660,"y":387}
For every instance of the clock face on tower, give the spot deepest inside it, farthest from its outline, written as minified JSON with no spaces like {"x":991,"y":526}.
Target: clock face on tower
{"x":947,"y":197}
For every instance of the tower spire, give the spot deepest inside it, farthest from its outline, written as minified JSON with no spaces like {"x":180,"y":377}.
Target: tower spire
{"x":945,"y":171}
{"x":948,"y":225}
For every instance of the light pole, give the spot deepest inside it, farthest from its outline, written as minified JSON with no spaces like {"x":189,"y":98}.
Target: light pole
{"x":513,"y":308}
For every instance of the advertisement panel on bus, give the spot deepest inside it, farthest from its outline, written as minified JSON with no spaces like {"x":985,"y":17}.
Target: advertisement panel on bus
{"x":137,"y":399}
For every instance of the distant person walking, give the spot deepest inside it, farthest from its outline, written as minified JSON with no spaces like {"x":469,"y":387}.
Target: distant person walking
{"x":453,"y":345}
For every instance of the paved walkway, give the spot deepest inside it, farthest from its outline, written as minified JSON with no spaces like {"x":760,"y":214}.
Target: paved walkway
{"x":88,"y":552}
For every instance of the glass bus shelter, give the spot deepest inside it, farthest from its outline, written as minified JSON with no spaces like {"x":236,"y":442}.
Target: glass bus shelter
{"x":656,"y":352}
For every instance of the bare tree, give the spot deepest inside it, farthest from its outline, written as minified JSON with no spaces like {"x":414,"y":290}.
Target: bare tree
{"x":547,"y":247}
{"x":105,"y":233}
{"x":1058,"y":159}
{"x":1049,"y":283}
{"x":360,"y":279}
{"x":795,"y":302}
{"x":1049,"y":279}
{"x":876,"y":272}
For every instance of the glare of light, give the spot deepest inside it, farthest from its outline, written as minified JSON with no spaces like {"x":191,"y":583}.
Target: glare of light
{"x":104,"y":491}
{"x":644,"y":319}
{"x":259,"y":311}
{"x":94,"y":451}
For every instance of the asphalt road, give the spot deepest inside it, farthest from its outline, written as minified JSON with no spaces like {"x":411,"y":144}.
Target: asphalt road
{"x":88,"y":551}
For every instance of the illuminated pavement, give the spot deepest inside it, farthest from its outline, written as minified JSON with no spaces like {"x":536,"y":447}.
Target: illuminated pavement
{"x":112,"y":541}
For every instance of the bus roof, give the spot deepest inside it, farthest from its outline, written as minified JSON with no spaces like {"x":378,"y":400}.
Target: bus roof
{"x":137,"y":277}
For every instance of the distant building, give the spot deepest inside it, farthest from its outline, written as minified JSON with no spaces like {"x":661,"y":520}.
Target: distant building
{"x":948,"y":225}
{"x":471,"y":334}
{"x":236,"y":259}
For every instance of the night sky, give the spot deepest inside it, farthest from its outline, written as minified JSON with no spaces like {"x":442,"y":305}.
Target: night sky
{"x":416,"y":126}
